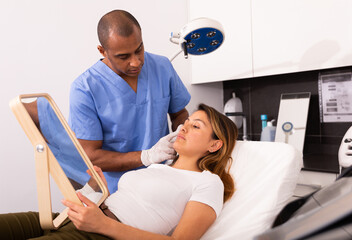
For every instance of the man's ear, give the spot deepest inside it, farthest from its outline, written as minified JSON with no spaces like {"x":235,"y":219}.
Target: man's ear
{"x":216,"y":145}
{"x":101,"y":50}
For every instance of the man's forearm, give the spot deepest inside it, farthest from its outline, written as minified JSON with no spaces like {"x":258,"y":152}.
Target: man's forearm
{"x":110,"y":161}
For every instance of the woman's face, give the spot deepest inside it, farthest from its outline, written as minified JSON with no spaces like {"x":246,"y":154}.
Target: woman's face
{"x":195,"y":137}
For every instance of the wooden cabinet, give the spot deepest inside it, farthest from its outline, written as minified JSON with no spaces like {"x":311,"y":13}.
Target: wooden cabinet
{"x":268,"y":37}
{"x":233,"y":59}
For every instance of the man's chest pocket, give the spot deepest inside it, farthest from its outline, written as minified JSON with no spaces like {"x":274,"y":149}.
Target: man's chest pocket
{"x":160,"y":109}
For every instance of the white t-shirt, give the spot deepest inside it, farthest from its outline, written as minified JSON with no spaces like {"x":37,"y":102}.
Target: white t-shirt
{"x":153,"y":199}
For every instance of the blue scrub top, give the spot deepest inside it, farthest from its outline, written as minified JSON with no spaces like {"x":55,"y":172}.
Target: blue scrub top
{"x":104,"y":107}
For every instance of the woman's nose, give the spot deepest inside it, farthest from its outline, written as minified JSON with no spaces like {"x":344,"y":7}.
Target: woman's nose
{"x":185,"y":127}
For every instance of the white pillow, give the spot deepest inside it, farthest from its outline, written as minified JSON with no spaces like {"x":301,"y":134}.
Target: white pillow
{"x":265,"y":175}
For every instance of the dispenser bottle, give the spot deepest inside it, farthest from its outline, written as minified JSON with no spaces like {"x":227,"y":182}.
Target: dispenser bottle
{"x":268,"y":132}
{"x":234,"y":105}
{"x":264,"y":119}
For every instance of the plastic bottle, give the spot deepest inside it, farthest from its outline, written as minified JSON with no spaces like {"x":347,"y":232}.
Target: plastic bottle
{"x":234,"y":105}
{"x":268,"y":133}
{"x":264,"y":119}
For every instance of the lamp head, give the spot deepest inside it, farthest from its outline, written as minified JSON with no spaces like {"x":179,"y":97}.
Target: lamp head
{"x":200,"y":36}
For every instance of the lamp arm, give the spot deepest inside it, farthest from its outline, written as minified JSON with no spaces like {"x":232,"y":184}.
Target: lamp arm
{"x":175,"y":38}
{"x":175,"y":55}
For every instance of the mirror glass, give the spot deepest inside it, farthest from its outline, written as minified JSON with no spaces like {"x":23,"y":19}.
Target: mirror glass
{"x":58,"y":140}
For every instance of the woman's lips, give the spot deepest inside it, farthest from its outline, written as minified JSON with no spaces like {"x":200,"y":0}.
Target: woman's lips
{"x":180,"y":136}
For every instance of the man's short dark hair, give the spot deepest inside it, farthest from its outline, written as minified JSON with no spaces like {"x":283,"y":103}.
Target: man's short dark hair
{"x":119,"y":22}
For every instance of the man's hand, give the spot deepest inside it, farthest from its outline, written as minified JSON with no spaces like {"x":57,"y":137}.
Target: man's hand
{"x":162,"y":150}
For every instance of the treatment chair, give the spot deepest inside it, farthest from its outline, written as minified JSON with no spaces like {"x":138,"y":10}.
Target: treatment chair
{"x":324,"y":214}
{"x":265,"y":175}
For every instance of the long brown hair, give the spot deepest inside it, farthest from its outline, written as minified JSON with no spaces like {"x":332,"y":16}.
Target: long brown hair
{"x":219,"y":162}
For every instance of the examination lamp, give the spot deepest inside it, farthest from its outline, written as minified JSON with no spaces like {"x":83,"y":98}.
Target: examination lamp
{"x":198,"y":37}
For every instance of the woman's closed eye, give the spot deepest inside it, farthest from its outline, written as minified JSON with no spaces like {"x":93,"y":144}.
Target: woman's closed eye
{"x":194,"y":123}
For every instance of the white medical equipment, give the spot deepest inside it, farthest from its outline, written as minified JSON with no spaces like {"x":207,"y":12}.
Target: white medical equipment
{"x":198,"y":37}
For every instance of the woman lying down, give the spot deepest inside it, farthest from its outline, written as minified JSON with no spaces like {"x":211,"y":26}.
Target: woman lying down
{"x":180,"y":201}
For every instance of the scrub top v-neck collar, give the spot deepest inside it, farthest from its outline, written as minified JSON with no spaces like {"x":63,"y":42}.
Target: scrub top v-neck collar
{"x":138,"y":97}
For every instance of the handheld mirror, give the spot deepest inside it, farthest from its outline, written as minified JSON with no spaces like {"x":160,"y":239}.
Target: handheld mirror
{"x":58,"y":153}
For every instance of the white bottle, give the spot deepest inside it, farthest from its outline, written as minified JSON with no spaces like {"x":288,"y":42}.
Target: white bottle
{"x":268,"y":133}
{"x":234,"y":105}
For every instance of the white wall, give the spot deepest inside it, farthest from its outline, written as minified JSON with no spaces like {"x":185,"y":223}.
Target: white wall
{"x":45,"y":45}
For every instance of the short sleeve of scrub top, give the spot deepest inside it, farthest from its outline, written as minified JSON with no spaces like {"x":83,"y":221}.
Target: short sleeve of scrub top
{"x":83,"y":118}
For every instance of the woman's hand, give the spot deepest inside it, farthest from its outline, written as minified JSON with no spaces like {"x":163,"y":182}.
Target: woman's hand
{"x":92,"y":182}
{"x":89,"y":218}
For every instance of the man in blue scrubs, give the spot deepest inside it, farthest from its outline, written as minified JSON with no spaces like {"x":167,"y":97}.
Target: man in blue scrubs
{"x":119,"y":106}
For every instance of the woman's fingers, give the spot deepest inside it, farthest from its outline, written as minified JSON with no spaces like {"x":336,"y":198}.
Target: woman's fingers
{"x":75,"y":207}
{"x":92,"y":180}
{"x":74,"y":211}
{"x":89,"y":172}
{"x":86,"y":218}
{"x":85,"y":200}
{"x":99,"y":171}
{"x":70,"y":204}
{"x":96,"y":168}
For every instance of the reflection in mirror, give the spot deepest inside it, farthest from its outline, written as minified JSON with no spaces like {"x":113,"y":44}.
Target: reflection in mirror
{"x":58,"y":140}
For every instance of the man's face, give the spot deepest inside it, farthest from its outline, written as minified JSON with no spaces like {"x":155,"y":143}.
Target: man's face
{"x":124,"y":55}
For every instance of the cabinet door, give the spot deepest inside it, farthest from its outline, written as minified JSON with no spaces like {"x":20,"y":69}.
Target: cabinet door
{"x":232,"y":60}
{"x":300,"y":35}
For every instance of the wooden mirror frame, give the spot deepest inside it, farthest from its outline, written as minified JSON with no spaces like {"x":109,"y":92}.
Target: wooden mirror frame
{"x":46,"y":163}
